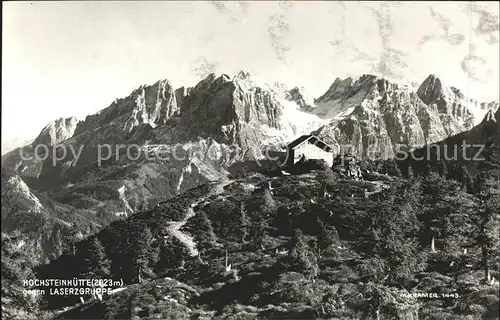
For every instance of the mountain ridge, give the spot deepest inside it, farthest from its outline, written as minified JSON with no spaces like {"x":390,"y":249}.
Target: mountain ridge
{"x":294,"y":94}
{"x":219,"y":127}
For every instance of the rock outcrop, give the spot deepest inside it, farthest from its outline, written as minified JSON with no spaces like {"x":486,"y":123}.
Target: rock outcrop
{"x":42,"y":222}
{"x":57,"y":131}
{"x":242,"y":112}
{"x":159,"y":141}
{"x":148,"y":105}
{"x":301,"y":98}
{"x":27,"y":159}
{"x":374,"y":117}
{"x":453,"y":107}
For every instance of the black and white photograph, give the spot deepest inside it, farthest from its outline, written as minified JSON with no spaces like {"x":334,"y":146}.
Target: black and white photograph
{"x":241,"y":160}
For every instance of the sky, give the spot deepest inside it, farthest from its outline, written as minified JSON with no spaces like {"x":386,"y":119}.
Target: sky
{"x":63,"y":59}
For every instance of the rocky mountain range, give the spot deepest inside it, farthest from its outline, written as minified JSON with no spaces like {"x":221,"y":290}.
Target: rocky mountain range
{"x":375,"y":117}
{"x":161,"y":141}
{"x":310,"y":244}
{"x":56,"y":132}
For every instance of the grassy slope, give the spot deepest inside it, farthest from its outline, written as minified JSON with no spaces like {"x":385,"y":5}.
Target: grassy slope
{"x":256,"y":286}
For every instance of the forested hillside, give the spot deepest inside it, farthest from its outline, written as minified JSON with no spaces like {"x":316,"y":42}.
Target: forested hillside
{"x":315,"y":244}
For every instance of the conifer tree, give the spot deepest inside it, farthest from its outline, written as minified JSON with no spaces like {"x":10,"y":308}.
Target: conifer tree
{"x":268,"y":205}
{"x":97,"y":264}
{"x":454,"y":171}
{"x":244,"y":223}
{"x":300,"y":257}
{"x":208,"y":237}
{"x":426,"y":168}
{"x":433,"y":212}
{"x":441,"y":168}
{"x":466,"y":179}
{"x":411,"y":173}
{"x":325,"y":178}
{"x":392,"y":252}
{"x":143,"y":254}
{"x":487,"y":193}
{"x":171,"y":254}
{"x":71,"y":239}
{"x":326,"y":236}
{"x":17,"y":266}
{"x":258,"y":230}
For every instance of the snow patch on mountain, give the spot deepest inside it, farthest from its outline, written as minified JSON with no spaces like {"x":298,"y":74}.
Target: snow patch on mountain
{"x":301,"y":122}
{"x":341,"y":99}
{"x":186,"y":169}
{"x":121,"y":192}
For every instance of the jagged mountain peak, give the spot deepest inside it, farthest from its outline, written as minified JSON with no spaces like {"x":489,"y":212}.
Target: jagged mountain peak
{"x":457,"y":92}
{"x":368,"y":77}
{"x":371,"y":79}
{"x":161,"y":82}
{"x":432,"y":89}
{"x":346,"y":94}
{"x":368,"y":83}
{"x":249,"y":81}
{"x":242,"y":110}
{"x":242,"y":74}
{"x":212,"y":81}
{"x":62,"y":122}
{"x":383,"y":85}
{"x":491,"y":116}
{"x":245,"y":80}
{"x":390,"y":112}
{"x":205,"y":83}
{"x":300,"y":96}
{"x":148,"y":104}
{"x":57,"y":131}
{"x":228,"y":115}
{"x":242,"y":79}
{"x":336,"y":90}
{"x":432,"y":77}
{"x":450,"y":100}
{"x":493,"y":105}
